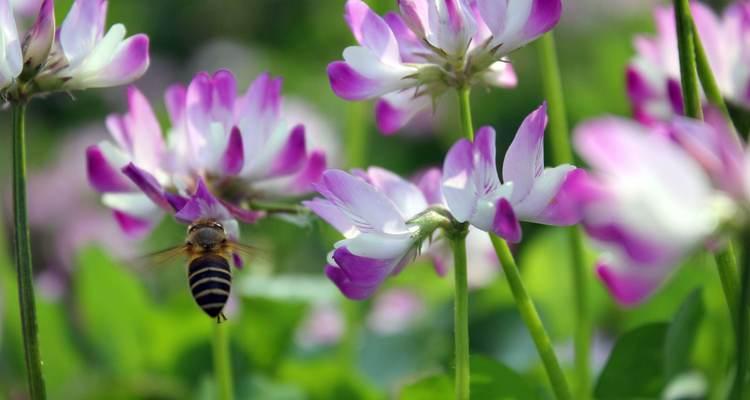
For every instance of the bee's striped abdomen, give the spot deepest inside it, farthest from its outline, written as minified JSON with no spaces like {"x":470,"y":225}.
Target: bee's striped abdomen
{"x":210,"y":282}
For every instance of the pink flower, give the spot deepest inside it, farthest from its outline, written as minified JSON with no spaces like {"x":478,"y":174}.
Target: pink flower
{"x":237,"y":146}
{"x":408,"y":60}
{"x":529,"y":192}
{"x":375,"y":210}
{"x":647,"y":203}
{"x":653,"y":76}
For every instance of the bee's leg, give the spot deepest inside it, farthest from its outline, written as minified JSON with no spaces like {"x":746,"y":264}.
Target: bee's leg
{"x":220,"y":316}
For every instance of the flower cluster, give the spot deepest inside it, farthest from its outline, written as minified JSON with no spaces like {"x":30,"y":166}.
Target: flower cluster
{"x":653,"y":77}
{"x":80,"y":54}
{"x":387,"y":220}
{"x":656,"y":194}
{"x":223,"y":151}
{"x":409,"y":59}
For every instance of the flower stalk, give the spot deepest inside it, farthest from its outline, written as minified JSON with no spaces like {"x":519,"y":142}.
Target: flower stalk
{"x":23,"y":257}
{"x":562,"y":153}
{"x":531,"y":319}
{"x":706,"y":76}
{"x":464,"y":106}
{"x":686,"y":49}
{"x":742,"y":328}
{"x":461,"y":316}
{"x":222,"y":363}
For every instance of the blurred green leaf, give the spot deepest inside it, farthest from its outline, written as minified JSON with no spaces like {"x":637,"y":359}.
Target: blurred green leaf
{"x":326,"y":379}
{"x":493,"y":380}
{"x":635,"y":369}
{"x":436,"y":387}
{"x":266,"y":329}
{"x":682,"y":333}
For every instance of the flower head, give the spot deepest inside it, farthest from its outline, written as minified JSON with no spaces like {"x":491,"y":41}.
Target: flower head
{"x":647,"y":204}
{"x":529,"y":192}
{"x":408,"y":59}
{"x":379,"y":215}
{"x":653,"y":77}
{"x":236,"y":148}
{"x":80,"y":54}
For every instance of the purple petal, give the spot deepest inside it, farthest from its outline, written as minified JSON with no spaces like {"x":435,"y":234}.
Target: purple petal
{"x":628,"y":289}
{"x":349,"y":84}
{"x":310,"y":174}
{"x":103,"y":177}
{"x":404,"y":194}
{"x":389,"y":119}
{"x":330,"y":213}
{"x":175,"y":98}
{"x":234,"y":156}
{"x":430,"y":183}
{"x":524,"y":160}
{"x":640,"y":93}
{"x":130,"y":62}
{"x":148,"y":185}
{"x":355,"y":12}
{"x":242,"y":214}
{"x":202,"y":205}
{"x":132,"y":226}
{"x":40,"y":37}
{"x":674,"y":92}
{"x":291,"y":158}
{"x":564,"y":209}
{"x":409,"y":45}
{"x":359,"y":276}
{"x":415,"y":13}
{"x":175,"y":200}
{"x":225,"y":91}
{"x":544,"y":16}
{"x":458,"y":186}
{"x":237,"y":261}
{"x":639,"y":249}
{"x":82,"y":29}
{"x":505,"y":223}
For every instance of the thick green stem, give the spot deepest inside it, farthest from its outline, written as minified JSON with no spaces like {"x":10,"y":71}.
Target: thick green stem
{"x":222,"y":363}
{"x":277,"y":207}
{"x":356,"y":134}
{"x":461,"y":316}
{"x":686,"y":47}
{"x":464,"y":105}
{"x":562,"y":153}
{"x":23,"y":257}
{"x":743,"y":352}
{"x":531,"y":319}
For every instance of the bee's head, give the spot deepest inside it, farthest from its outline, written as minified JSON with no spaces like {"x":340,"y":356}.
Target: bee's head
{"x":206,"y":236}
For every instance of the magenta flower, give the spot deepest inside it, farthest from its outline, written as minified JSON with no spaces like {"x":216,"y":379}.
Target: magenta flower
{"x":529,"y":192}
{"x":647,"y":204}
{"x":239,"y":146}
{"x":375,"y":211}
{"x":408,"y":60}
{"x":653,"y":77}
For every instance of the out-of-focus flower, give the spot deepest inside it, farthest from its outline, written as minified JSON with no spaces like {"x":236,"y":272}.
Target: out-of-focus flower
{"x":395,"y":311}
{"x":323,"y":326}
{"x":647,"y":204}
{"x":409,"y":59}
{"x":238,"y":146}
{"x":653,"y":77}
{"x":474,"y":193}
{"x":384,"y":221}
{"x":26,"y":8}
{"x":79,"y":55}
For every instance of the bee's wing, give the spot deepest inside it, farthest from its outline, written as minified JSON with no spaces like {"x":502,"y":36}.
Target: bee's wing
{"x":247,"y":251}
{"x":163,"y":256}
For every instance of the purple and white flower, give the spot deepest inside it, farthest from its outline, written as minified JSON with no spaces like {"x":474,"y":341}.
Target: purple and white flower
{"x":529,"y":192}
{"x":653,"y":77}
{"x":11,"y":58}
{"x":238,"y":146}
{"x":375,"y":212}
{"x":408,"y":59}
{"x":647,"y":203}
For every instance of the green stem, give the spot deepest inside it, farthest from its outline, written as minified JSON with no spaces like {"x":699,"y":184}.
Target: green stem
{"x":464,"y":105}
{"x":562,"y":153}
{"x":356,"y":134}
{"x":23,"y":257}
{"x":686,"y":47}
{"x":743,"y":352}
{"x":531,"y":319}
{"x":461,"y":316}
{"x":726,"y":264}
{"x":276,"y":207}
{"x":706,"y":76}
{"x":222,"y":363}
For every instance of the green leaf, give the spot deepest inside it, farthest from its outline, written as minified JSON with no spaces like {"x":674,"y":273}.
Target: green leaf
{"x":436,"y":387}
{"x":682,"y":333}
{"x":635,"y":369}
{"x":493,"y":380}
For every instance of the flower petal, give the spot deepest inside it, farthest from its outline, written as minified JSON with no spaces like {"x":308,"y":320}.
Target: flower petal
{"x":234,"y":155}
{"x":524,"y":160}
{"x":11,"y":58}
{"x":505,"y":223}
{"x":394,"y":110}
{"x":104,"y":177}
{"x":132,"y":226}
{"x":544,"y":16}
{"x":430,"y":183}
{"x":542,"y":204}
{"x":404,"y":194}
{"x":628,"y":286}
{"x":82,"y":28}
{"x":458,"y":184}
{"x":331,"y":214}
{"x":148,"y":185}
{"x":41,"y":35}
{"x":291,"y":158}
{"x":128,"y":62}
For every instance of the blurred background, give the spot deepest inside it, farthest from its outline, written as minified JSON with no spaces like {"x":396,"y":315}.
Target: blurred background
{"x":113,"y":331}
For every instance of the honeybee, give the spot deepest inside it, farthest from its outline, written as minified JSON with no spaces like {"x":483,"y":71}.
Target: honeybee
{"x":209,"y":250}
